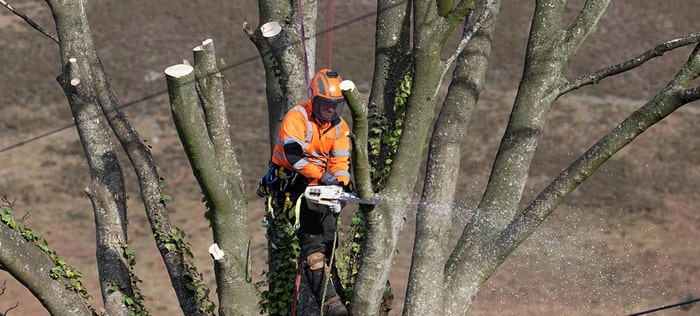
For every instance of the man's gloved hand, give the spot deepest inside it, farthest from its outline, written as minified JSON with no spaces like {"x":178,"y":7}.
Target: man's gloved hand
{"x":328,"y":179}
{"x":336,"y":207}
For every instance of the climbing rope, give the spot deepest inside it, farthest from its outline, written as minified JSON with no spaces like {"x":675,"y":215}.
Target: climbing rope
{"x":330,"y":264}
{"x":297,"y":279}
{"x":303,"y":48}
{"x":297,"y":284}
{"x":328,"y":42}
{"x":328,"y":56}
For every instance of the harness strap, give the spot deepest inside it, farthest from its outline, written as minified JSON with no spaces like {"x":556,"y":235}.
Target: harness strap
{"x":297,"y":212}
{"x":270,"y":209}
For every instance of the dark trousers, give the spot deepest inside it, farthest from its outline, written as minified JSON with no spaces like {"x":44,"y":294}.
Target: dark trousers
{"x":316,"y":231}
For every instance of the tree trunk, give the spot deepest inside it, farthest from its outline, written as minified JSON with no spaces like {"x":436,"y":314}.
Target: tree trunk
{"x":392,"y":47}
{"x":106,"y":189}
{"x":287,"y":55}
{"x":223,"y":200}
{"x":425,"y":292}
{"x":385,"y":222}
{"x":550,"y":50}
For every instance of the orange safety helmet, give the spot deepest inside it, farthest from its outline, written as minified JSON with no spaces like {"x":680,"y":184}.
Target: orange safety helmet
{"x":326,"y":84}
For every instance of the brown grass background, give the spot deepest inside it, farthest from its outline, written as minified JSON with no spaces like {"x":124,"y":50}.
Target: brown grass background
{"x":624,"y":242}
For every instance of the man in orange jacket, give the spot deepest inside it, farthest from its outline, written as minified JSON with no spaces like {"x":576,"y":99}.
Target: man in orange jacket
{"x":314,"y":146}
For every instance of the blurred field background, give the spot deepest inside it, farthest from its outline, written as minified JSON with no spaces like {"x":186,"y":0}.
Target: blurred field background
{"x":625,"y":241}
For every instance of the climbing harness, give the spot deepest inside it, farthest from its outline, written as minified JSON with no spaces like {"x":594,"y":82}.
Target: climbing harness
{"x":273,"y":186}
{"x":266,"y":182}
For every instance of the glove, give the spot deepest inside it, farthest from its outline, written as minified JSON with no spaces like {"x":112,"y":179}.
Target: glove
{"x":336,"y":207}
{"x":328,"y":179}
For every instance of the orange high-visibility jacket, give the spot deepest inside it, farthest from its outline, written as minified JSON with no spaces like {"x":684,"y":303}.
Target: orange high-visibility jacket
{"x":324,"y":145}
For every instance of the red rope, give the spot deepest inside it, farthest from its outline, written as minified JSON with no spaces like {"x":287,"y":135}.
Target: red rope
{"x":303,"y":49}
{"x":330,"y":23}
{"x":297,"y":282}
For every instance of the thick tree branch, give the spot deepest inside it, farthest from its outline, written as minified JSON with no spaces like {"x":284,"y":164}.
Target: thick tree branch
{"x":106,"y":188}
{"x":657,"y":51}
{"x":285,"y":77}
{"x":360,"y":130}
{"x":584,"y":24}
{"x":31,"y":266}
{"x":211,"y":95}
{"x":227,"y":229}
{"x":471,"y":26}
{"x":385,"y":222}
{"x":185,"y":279}
{"x":659,"y":107}
{"x":392,"y":55}
{"x":430,"y":249}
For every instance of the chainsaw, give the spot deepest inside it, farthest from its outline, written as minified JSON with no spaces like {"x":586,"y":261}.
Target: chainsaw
{"x":332,"y":197}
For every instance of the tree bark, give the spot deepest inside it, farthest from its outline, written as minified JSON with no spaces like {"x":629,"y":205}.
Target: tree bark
{"x":186,"y":281}
{"x":392,"y":47}
{"x":106,"y":190}
{"x":211,"y":95}
{"x":230,"y":231}
{"x":360,"y":130}
{"x":288,"y":56}
{"x":550,"y":49}
{"x":31,"y":266}
{"x":386,"y":221}
{"x":425,"y":292}
{"x":677,"y":93}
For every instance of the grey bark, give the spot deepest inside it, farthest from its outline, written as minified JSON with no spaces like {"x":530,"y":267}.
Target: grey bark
{"x":392,"y":47}
{"x":140,"y":157}
{"x":284,"y":57}
{"x":30,"y":265}
{"x":678,"y":92}
{"x":550,"y":49}
{"x":106,"y":189}
{"x":211,"y":95}
{"x":224,"y":203}
{"x":424,"y":292}
{"x":386,"y":221}
{"x":181,"y":272}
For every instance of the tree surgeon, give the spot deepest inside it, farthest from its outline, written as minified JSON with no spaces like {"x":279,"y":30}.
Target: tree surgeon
{"x":313,"y":149}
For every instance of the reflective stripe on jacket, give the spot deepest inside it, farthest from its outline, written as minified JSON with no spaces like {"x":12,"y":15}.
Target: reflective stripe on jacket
{"x":322,"y":144}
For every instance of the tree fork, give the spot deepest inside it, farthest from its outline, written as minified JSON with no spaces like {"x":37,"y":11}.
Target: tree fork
{"x":236,"y":294}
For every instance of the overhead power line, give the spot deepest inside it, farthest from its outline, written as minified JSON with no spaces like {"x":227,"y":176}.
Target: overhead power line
{"x":134,"y":102}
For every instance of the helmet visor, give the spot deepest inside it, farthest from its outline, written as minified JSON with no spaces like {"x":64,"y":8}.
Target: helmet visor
{"x":327,"y":109}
